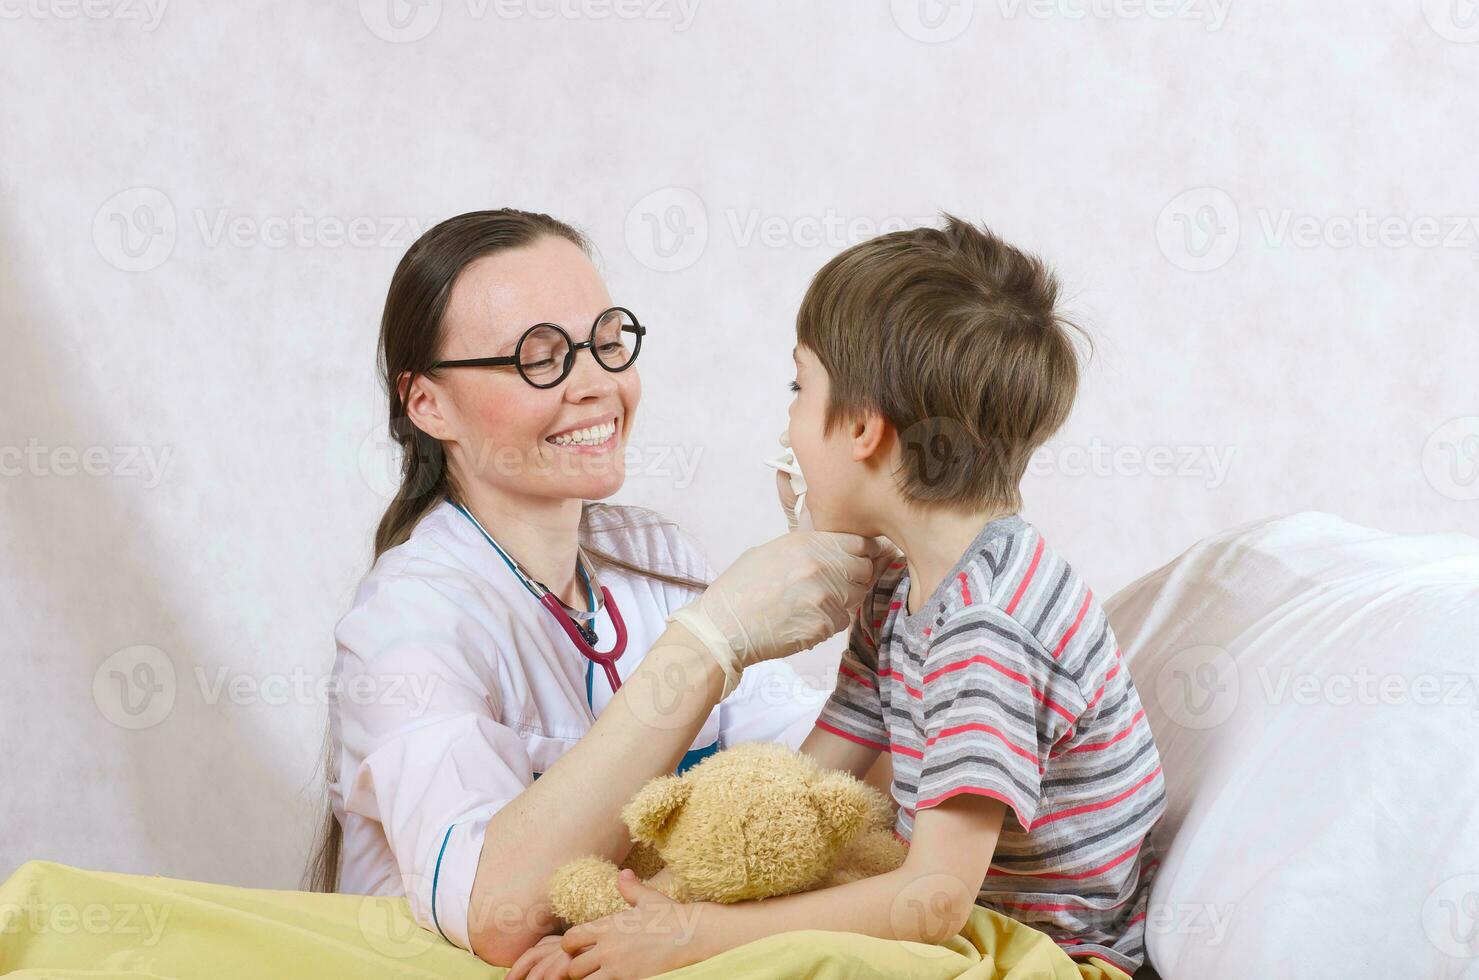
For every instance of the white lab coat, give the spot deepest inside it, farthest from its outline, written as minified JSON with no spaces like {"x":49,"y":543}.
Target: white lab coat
{"x":456,"y":689}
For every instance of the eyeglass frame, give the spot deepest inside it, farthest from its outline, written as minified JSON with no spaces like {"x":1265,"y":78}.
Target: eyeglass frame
{"x":574,"y":349}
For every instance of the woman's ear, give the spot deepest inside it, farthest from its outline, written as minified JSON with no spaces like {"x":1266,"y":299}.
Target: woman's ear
{"x":651,"y":813}
{"x":421,"y":405}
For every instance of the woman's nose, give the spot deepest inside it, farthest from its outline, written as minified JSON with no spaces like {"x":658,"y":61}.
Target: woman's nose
{"x":587,"y":377}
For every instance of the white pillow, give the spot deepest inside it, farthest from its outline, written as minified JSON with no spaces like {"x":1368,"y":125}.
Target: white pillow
{"x":1313,"y":688}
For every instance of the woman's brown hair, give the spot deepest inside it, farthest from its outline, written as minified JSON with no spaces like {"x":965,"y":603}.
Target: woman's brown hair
{"x":411,"y":335}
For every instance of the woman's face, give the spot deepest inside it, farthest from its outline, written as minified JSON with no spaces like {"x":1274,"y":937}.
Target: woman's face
{"x":501,"y":430}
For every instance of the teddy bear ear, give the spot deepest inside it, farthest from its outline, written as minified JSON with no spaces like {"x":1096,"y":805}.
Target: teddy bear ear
{"x":650,"y":814}
{"x":842,"y":803}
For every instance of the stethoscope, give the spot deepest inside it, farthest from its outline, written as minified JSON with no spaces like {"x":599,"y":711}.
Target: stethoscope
{"x":582,"y":634}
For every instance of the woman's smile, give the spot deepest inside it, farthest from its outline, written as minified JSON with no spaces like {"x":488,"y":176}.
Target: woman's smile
{"x":589,"y":437}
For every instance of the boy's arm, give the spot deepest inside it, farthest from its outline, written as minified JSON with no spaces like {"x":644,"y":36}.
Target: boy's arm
{"x":833,"y":751}
{"x":866,"y":762}
{"x":927,"y":900}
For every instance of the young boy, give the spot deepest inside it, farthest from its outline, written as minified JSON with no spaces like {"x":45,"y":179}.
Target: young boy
{"x":930,"y":365}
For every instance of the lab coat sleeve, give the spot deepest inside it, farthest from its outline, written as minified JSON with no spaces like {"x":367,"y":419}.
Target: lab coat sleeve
{"x":416,"y":707}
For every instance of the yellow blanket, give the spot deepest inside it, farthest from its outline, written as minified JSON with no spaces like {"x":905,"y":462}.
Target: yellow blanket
{"x":60,"y":921}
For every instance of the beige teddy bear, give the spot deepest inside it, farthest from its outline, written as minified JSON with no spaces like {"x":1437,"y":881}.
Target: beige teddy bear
{"x":753,"y":821}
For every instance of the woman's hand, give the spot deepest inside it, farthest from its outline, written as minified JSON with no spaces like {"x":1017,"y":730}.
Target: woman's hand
{"x":545,"y":960}
{"x":655,"y":935}
{"x":785,"y":595}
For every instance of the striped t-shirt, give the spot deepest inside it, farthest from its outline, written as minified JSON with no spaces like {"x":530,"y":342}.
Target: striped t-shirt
{"x":1008,"y":683}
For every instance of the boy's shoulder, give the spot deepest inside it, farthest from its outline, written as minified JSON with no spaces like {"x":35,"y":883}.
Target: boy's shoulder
{"x":1018,"y":587}
{"x":883,"y":596}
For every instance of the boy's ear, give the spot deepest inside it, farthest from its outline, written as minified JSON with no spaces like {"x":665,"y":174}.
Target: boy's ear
{"x":869,"y":435}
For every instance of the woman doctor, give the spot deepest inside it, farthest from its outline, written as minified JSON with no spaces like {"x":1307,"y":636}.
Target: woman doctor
{"x":519,"y":661}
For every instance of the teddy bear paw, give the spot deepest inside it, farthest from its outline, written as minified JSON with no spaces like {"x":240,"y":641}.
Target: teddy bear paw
{"x":585,"y":889}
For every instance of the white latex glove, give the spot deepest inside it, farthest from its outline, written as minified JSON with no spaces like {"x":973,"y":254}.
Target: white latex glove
{"x":790,"y":486}
{"x":782,"y":597}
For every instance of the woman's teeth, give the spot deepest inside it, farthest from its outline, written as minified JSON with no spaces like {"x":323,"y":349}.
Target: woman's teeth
{"x":593,"y":436}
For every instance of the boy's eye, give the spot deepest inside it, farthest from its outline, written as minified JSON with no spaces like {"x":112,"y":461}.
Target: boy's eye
{"x":794,"y":386}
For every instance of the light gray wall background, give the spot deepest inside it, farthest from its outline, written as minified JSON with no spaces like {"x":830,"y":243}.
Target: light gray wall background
{"x":1264,"y":212}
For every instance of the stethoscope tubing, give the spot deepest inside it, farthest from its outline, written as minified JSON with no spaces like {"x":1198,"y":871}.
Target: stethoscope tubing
{"x":550,"y":601}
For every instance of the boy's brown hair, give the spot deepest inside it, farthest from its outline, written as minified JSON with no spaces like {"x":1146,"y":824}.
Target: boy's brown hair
{"x":953,"y":336}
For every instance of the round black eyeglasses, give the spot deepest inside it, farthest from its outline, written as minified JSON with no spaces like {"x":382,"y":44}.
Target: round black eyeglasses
{"x":545,"y":353}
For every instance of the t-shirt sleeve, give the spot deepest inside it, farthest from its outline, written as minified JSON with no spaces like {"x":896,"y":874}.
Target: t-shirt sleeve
{"x":855,"y":707}
{"x":994,"y":704}
{"x":433,"y":762}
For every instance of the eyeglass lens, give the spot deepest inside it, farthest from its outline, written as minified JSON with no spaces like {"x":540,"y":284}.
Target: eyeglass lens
{"x":544,"y":352}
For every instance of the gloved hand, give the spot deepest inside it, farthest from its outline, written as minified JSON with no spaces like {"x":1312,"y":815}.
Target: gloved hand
{"x":782,"y":597}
